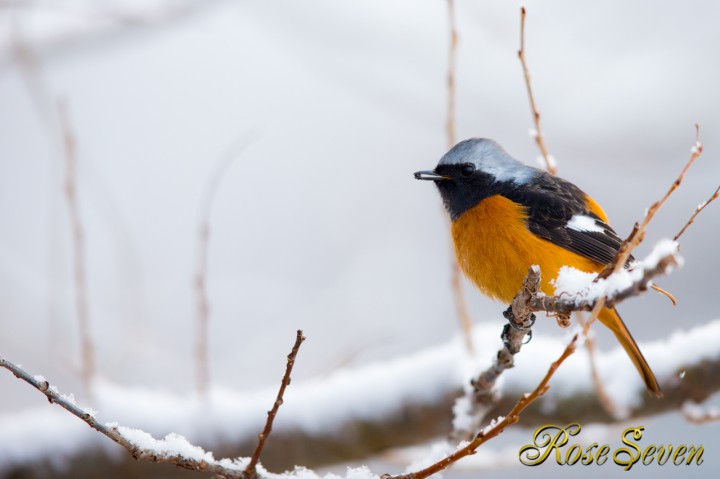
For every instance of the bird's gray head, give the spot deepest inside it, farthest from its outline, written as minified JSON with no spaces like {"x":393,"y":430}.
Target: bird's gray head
{"x":473,"y":170}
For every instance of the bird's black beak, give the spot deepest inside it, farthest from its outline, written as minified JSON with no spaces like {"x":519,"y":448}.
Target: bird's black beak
{"x":429,"y":175}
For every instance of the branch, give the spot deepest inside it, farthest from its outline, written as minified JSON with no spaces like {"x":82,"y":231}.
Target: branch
{"x":470,"y":409}
{"x":352,"y":421}
{"x":498,"y":425}
{"x":174,"y":449}
{"x":78,"y":236}
{"x":697,"y":211}
{"x":455,"y":274}
{"x":638,"y":233}
{"x":604,"y":398}
{"x":251,"y":468}
{"x":118,"y":433}
{"x":550,"y":165}
{"x":202,"y":314}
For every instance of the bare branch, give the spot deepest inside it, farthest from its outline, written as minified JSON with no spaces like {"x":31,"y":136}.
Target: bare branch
{"x":450,"y":133}
{"x":699,"y":208}
{"x":202,"y":314}
{"x":496,"y":426}
{"x":262,"y":437}
{"x":638,"y":233}
{"x":452,"y":56}
{"x":78,"y":236}
{"x":604,"y":398}
{"x":537,"y":134}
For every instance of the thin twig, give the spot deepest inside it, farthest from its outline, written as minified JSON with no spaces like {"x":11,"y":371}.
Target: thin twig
{"x":667,"y":294}
{"x":262,"y":437}
{"x":537,"y":134}
{"x":498,"y":426}
{"x":81,"y":306}
{"x":202,"y":314}
{"x":450,"y":132}
{"x":699,"y":208}
{"x":638,"y":233}
{"x":605,"y":400}
{"x":452,"y":56}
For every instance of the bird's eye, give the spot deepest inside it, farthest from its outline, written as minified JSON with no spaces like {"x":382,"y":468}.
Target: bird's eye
{"x":467,"y":170}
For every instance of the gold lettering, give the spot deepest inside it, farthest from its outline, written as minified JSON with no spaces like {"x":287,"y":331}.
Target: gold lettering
{"x":574,"y":449}
{"x":662,"y":458}
{"x":679,"y":454}
{"x":692,"y":451}
{"x":544,"y":442}
{"x":587,"y":458}
{"x":647,"y":457}
{"x":631,"y":458}
{"x":602,"y":454}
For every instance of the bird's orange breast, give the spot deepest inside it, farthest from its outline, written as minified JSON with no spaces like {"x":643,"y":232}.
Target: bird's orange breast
{"x":495,"y":249}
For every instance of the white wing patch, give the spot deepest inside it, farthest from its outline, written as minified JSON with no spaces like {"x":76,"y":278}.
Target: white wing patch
{"x":585,"y":223}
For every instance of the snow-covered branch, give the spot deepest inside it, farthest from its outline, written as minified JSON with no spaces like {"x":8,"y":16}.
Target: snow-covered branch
{"x":579,"y":291}
{"x":174,"y":448}
{"x":357,"y":412}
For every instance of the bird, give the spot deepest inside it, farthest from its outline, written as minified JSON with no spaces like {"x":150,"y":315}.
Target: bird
{"x":506,"y":216}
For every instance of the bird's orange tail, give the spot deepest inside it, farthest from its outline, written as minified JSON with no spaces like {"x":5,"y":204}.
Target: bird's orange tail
{"x":611,"y":319}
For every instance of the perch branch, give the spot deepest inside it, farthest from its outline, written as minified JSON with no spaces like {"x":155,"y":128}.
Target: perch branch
{"x":262,"y":437}
{"x":537,"y":134}
{"x":567,"y":304}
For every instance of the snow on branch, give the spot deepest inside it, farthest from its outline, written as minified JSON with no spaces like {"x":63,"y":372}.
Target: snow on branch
{"x":174,"y":448}
{"x":344,"y":417}
{"x":579,"y":291}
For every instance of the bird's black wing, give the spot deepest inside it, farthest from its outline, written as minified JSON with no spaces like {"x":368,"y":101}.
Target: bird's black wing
{"x":558,"y":212}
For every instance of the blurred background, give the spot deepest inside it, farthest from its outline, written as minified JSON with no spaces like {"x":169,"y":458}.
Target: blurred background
{"x":310,"y":118}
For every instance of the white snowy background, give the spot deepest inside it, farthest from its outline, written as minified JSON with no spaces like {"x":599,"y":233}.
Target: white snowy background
{"x":318,"y":223}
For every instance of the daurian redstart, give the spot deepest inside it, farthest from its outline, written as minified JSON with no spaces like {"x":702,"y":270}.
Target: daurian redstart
{"x":507,"y":216}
